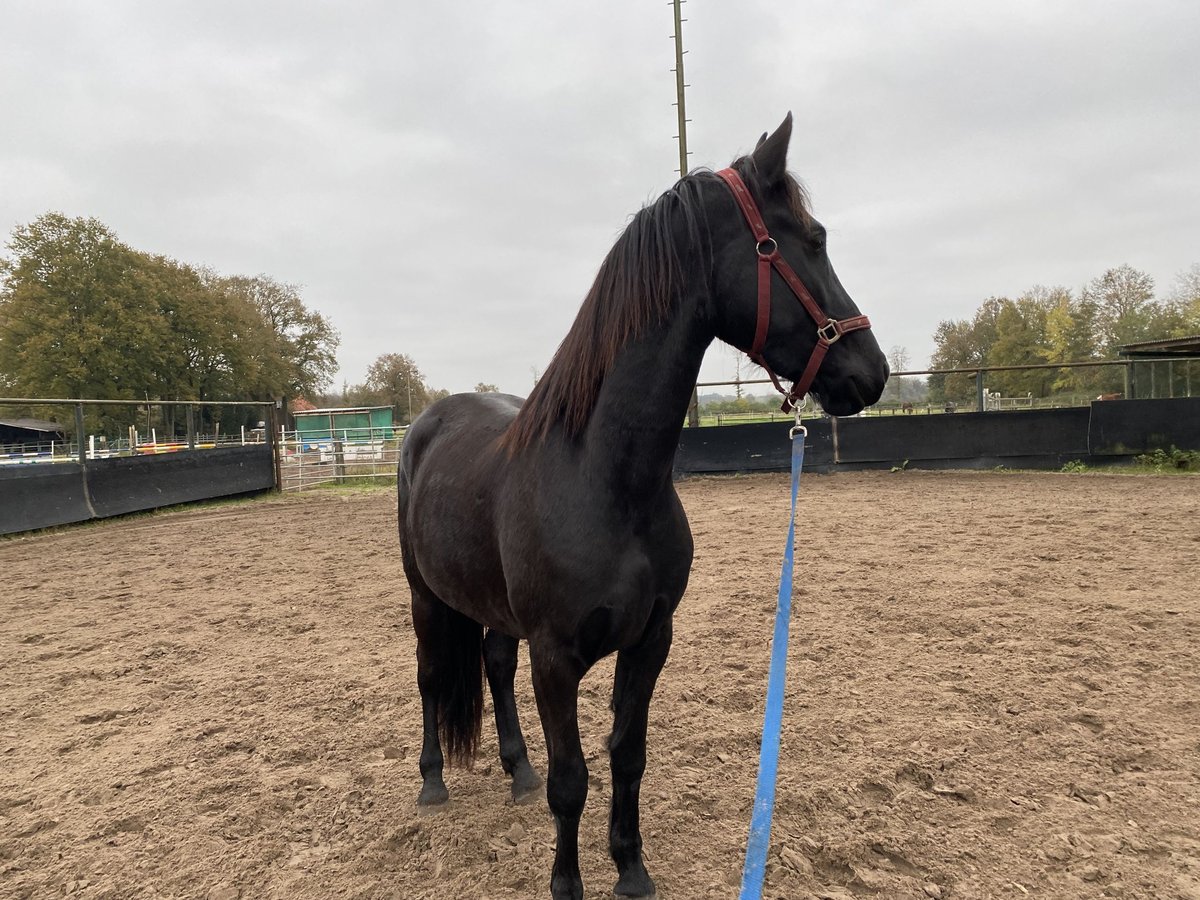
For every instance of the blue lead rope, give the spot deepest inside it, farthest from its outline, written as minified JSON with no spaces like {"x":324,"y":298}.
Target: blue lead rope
{"x":768,"y":757}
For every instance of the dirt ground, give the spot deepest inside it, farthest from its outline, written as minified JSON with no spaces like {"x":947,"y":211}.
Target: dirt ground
{"x":994,"y":691}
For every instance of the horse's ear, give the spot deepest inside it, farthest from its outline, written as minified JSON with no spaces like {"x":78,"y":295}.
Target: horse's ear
{"x":770,"y":156}
{"x":762,"y":140}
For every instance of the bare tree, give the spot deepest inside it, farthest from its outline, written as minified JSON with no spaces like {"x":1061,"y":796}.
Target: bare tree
{"x":898,"y":360}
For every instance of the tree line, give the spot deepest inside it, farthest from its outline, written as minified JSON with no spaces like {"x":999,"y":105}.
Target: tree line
{"x":1057,"y":325}
{"x":395,"y":380}
{"x":83,"y":314}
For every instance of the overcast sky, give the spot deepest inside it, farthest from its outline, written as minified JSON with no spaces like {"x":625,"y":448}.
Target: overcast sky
{"x":443,"y":179}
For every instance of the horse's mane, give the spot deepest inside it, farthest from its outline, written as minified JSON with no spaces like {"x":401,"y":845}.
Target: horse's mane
{"x":637,"y":286}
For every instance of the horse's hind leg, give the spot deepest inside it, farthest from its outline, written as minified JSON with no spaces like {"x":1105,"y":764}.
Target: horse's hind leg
{"x":427,"y":610}
{"x":636,"y":674}
{"x":500,"y":661}
{"x":450,"y":678}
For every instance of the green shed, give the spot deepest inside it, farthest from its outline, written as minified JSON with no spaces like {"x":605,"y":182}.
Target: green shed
{"x":351,"y":424}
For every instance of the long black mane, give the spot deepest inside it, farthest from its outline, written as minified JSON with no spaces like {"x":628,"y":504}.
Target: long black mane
{"x":637,"y":286}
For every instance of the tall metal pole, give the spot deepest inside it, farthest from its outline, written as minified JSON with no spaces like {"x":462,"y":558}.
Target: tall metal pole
{"x":82,"y":455}
{"x":693,"y":413}
{"x":679,"y":86}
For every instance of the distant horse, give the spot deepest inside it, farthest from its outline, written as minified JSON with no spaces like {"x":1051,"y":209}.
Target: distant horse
{"x":555,"y":520}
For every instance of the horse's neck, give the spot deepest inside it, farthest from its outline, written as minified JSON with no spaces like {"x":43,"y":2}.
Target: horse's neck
{"x":634,"y":430}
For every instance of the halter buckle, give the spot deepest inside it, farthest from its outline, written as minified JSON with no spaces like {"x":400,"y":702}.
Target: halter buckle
{"x":761,"y":247}
{"x":830,"y":332}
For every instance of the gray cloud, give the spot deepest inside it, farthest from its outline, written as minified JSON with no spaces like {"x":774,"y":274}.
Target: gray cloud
{"x":445,"y":179}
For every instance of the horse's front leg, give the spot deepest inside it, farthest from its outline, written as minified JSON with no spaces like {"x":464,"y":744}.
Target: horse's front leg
{"x":556,"y":677}
{"x":633,"y":685}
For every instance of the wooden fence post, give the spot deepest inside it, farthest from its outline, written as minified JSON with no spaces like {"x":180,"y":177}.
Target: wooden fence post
{"x":339,"y":461}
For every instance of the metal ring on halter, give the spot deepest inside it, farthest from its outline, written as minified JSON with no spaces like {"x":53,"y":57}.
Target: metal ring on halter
{"x":774,"y":247}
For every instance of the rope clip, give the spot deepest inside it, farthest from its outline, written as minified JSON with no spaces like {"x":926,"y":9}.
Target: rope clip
{"x":798,"y":428}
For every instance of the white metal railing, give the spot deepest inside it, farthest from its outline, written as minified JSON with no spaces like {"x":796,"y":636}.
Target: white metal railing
{"x":341,"y":456}
{"x":993,"y":401}
{"x":137,"y":444}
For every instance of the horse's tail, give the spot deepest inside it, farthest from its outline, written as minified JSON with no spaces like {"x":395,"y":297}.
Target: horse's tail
{"x":455,"y":642}
{"x":460,"y":686}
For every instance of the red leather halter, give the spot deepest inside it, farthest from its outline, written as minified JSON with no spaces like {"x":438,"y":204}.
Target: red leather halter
{"x":829,"y":331}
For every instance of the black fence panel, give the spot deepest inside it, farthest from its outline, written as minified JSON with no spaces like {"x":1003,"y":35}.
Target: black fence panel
{"x":1125,"y":427}
{"x":1037,"y":439}
{"x":137,"y":483}
{"x":1047,"y":435}
{"x":762,"y":447}
{"x":41,"y":495}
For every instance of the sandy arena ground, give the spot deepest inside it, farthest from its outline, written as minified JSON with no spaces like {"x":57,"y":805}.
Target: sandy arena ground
{"x":994,"y":691}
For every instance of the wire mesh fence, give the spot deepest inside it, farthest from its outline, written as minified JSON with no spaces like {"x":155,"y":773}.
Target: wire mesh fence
{"x":988,"y":389}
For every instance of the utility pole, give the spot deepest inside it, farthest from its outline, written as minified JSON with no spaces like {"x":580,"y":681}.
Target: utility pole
{"x":693,"y":413}
{"x":679,"y":86}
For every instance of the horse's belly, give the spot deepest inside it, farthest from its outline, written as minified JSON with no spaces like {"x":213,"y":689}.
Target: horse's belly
{"x":458,"y":560}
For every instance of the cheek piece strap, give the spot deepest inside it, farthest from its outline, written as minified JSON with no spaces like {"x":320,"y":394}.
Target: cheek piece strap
{"x":829,"y":331}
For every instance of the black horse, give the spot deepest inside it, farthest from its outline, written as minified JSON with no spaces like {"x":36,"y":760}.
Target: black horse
{"x":555,"y":520}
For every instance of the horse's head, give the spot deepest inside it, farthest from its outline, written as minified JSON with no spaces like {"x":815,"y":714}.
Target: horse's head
{"x":784,"y":330}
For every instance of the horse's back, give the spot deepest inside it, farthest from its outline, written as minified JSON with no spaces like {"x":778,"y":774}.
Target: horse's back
{"x":452,"y":420}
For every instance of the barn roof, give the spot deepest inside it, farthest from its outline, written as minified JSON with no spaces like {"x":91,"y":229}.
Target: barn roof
{"x":35,"y":425}
{"x":338,"y":409}
{"x":1184,"y":346}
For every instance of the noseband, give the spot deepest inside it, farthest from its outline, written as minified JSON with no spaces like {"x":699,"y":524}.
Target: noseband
{"x":829,"y":331}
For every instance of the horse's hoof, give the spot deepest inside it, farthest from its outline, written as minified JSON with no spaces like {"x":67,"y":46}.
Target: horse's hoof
{"x":637,"y":884}
{"x":528,"y":790}
{"x":433,"y":796}
{"x":566,"y":888}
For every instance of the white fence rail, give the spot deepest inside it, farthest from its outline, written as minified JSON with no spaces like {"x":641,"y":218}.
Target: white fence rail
{"x":98,"y":447}
{"x":343,"y":456}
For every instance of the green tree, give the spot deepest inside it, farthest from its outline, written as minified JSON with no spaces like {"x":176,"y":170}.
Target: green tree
{"x":393,"y":379}
{"x":1071,"y":337}
{"x":485,"y":387}
{"x":1125,"y":307}
{"x":1184,"y":302}
{"x":1021,"y":341}
{"x":84,"y":315}
{"x":224,"y":345}
{"x":76,"y":316}
{"x":303,"y":359}
{"x":962,"y":344}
